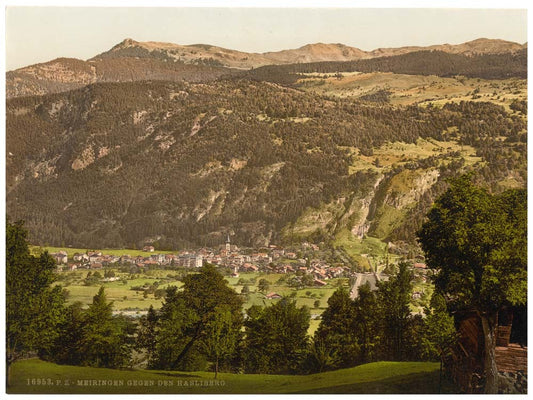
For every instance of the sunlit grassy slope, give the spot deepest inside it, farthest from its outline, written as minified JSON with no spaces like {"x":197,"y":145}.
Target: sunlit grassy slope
{"x":381,"y":377}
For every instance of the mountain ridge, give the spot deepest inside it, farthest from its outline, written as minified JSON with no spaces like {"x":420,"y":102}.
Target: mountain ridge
{"x":133,"y":60}
{"x":313,"y":52}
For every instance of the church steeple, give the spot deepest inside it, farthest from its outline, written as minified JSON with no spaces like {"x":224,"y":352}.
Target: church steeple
{"x":228,"y":244}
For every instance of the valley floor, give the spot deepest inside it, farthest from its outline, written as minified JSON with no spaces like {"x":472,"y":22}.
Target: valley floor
{"x":39,"y":377}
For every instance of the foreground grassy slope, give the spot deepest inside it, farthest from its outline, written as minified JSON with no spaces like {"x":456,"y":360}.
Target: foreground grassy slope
{"x":381,"y":377}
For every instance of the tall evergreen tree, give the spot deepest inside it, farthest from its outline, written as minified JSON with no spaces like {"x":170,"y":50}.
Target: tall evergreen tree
{"x":276,"y":338}
{"x":105,"y":339}
{"x":394,"y":297}
{"x":67,"y":349}
{"x":34,"y":309}
{"x":147,"y":334}
{"x":439,"y":332}
{"x":337,"y":330}
{"x":367,"y":324}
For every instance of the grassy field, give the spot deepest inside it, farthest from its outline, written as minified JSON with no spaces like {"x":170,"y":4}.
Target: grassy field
{"x":120,"y":292}
{"x":36,"y":376}
{"x":126,"y":299}
{"x":355,"y":247}
{"x":409,"y":89}
{"x":400,"y":153}
{"x":36,"y":250}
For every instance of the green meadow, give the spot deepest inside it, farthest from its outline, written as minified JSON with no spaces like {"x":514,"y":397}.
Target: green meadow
{"x":125,"y":298}
{"x":34,"y":376}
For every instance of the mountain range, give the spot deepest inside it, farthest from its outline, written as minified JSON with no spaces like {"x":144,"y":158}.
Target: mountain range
{"x":132,"y":61}
{"x":150,"y":143}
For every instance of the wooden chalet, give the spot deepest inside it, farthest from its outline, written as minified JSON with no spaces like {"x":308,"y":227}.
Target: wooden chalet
{"x":464,"y":364}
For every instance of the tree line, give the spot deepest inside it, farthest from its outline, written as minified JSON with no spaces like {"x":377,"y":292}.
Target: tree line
{"x":203,"y":326}
{"x":435,"y":62}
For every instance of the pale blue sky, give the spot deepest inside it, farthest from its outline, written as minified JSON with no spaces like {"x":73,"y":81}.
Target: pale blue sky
{"x":39,"y":34}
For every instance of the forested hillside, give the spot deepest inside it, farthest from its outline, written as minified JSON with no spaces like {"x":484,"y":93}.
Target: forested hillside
{"x":440,"y":63}
{"x":65,"y":74}
{"x":183,"y":164}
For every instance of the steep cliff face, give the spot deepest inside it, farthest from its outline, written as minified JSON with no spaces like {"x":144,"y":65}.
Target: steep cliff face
{"x":399,"y":193}
{"x":373,"y":211}
{"x":407,"y":187}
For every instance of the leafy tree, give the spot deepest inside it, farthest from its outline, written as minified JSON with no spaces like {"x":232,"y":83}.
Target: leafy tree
{"x":276,"y":338}
{"x":220,"y":336}
{"x":477,"y":242}
{"x":34,"y":310}
{"x":316,"y":304}
{"x":307,"y":280}
{"x":263,"y":285}
{"x":109,"y":273}
{"x":175,"y":324}
{"x":295,"y":282}
{"x":186,"y":315}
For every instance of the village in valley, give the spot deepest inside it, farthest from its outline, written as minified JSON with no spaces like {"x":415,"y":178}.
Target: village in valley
{"x":307,"y":265}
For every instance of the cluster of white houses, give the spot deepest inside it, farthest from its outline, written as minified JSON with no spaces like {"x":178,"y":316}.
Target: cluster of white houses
{"x":95,"y":260}
{"x":274,"y":260}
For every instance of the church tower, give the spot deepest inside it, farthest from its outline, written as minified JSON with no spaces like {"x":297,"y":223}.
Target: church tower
{"x":228,"y":244}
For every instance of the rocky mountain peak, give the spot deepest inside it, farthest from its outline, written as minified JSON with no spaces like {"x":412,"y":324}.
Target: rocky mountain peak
{"x":128,"y":42}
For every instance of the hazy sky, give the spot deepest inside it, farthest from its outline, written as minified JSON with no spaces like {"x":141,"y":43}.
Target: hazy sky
{"x":39,"y":34}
